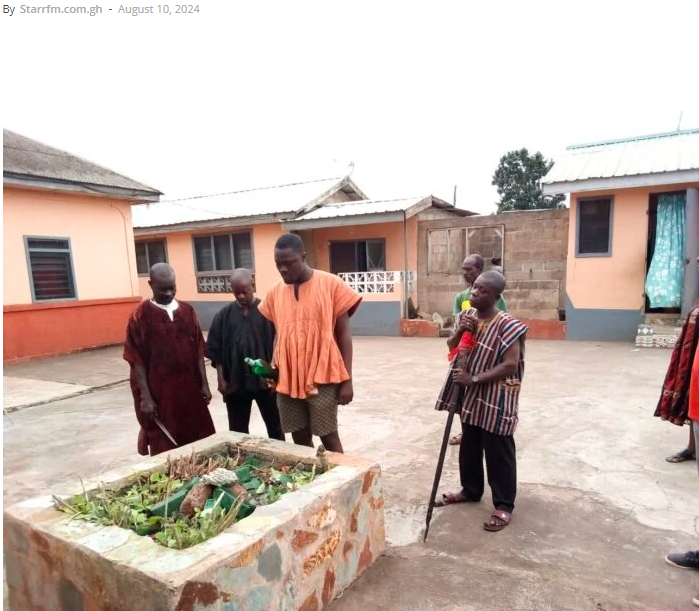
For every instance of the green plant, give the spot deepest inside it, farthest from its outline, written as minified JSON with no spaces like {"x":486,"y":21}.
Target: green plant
{"x":181,"y":532}
{"x":130,"y":507}
{"x":275,"y":483}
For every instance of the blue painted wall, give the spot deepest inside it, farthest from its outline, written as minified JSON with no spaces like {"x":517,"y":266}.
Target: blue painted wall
{"x":600,"y":324}
{"x":377,"y":318}
{"x":372,"y":317}
{"x":206,"y":310}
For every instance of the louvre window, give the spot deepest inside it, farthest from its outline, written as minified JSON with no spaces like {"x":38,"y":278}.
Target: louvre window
{"x":223,"y":252}
{"x":148,"y":254}
{"x":50,"y":268}
{"x":594,"y":227}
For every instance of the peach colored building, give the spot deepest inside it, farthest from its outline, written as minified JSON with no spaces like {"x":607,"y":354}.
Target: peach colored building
{"x":69,"y":267}
{"x":371,"y":244}
{"x":617,"y":189}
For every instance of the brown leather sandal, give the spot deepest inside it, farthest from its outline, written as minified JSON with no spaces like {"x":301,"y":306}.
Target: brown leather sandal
{"x":498,"y":521}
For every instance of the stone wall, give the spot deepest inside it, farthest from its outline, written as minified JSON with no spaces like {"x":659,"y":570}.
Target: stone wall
{"x":296,"y":554}
{"x":534,"y":246}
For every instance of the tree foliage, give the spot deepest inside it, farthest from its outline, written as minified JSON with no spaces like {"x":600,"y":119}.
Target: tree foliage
{"x":518,"y":181}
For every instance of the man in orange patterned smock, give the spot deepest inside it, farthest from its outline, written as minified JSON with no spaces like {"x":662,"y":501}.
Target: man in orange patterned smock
{"x":311,"y":312}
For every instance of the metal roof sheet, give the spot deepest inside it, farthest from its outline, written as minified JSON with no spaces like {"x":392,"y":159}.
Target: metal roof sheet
{"x":360,"y":208}
{"x":655,"y":154}
{"x":27,"y":158}
{"x":278,"y":200}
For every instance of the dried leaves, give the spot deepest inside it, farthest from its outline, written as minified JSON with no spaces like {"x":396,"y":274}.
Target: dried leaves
{"x":187,"y":467}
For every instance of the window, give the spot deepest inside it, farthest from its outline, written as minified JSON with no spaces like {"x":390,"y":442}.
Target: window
{"x":148,"y":254}
{"x":215,"y":256}
{"x":594,"y":230}
{"x":213,"y":253}
{"x":358,"y":256}
{"x":50,"y":268}
{"x":447,"y":248}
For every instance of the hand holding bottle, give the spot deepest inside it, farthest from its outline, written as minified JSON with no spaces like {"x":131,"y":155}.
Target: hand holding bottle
{"x":263,"y":369}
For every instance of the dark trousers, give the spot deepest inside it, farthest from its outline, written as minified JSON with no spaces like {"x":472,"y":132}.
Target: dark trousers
{"x":239,"y":406}
{"x":500,"y":461}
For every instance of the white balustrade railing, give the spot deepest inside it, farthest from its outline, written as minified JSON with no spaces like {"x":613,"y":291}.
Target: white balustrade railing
{"x":377,"y":282}
{"x":362,"y":282}
{"x":208,"y":282}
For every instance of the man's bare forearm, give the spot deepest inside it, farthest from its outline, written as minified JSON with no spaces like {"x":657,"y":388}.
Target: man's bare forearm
{"x":202,"y":372}
{"x":142,"y":381}
{"x":346,"y":352}
{"x":507,"y":368}
{"x":455,"y":338}
{"x":343,"y":337}
{"x":499,"y":372}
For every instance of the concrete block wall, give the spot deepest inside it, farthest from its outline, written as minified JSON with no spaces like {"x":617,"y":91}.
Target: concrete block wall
{"x":433,"y":214}
{"x":535,"y":252}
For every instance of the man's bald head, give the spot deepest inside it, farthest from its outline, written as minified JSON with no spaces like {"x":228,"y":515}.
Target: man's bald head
{"x":243,"y":285}
{"x":495,"y":280}
{"x":241,"y":275}
{"x":487,"y":290}
{"x":162,"y":283}
{"x":162,"y":271}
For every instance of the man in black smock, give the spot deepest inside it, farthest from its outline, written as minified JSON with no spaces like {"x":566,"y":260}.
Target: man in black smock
{"x":239,"y":331}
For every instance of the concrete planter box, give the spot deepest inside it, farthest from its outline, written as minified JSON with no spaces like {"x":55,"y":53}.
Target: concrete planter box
{"x":298,"y":553}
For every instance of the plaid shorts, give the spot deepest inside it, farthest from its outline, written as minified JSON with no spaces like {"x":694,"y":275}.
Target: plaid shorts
{"x":316,"y":412}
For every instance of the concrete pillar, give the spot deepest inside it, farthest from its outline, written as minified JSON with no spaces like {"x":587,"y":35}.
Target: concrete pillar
{"x":691,"y":248}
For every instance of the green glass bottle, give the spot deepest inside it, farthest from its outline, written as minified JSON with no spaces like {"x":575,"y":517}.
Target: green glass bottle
{"x":261,"y":368}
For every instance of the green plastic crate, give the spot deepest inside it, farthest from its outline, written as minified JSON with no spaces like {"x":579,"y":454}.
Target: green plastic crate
{"x":229,"y":498}
{"x":208,"y":506}
{"x":245,"y":510}
{"x":253,"y":484}
{"x":172,"y":504}
{"x":146,"y":529}
{"x":243,"y":473}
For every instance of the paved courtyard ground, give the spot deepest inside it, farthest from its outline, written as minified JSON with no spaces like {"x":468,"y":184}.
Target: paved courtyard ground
{"x":597,"y":507}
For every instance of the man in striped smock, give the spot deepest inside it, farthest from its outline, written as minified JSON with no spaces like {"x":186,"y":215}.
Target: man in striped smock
{"x":484,"y":385}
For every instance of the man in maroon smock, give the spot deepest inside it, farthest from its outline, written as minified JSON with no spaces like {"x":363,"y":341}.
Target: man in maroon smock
{"x":165,"y":348}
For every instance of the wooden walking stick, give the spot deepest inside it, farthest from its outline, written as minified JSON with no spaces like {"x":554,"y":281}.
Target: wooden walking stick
{"x":466,"y":343}
{"x":440,"y":464}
